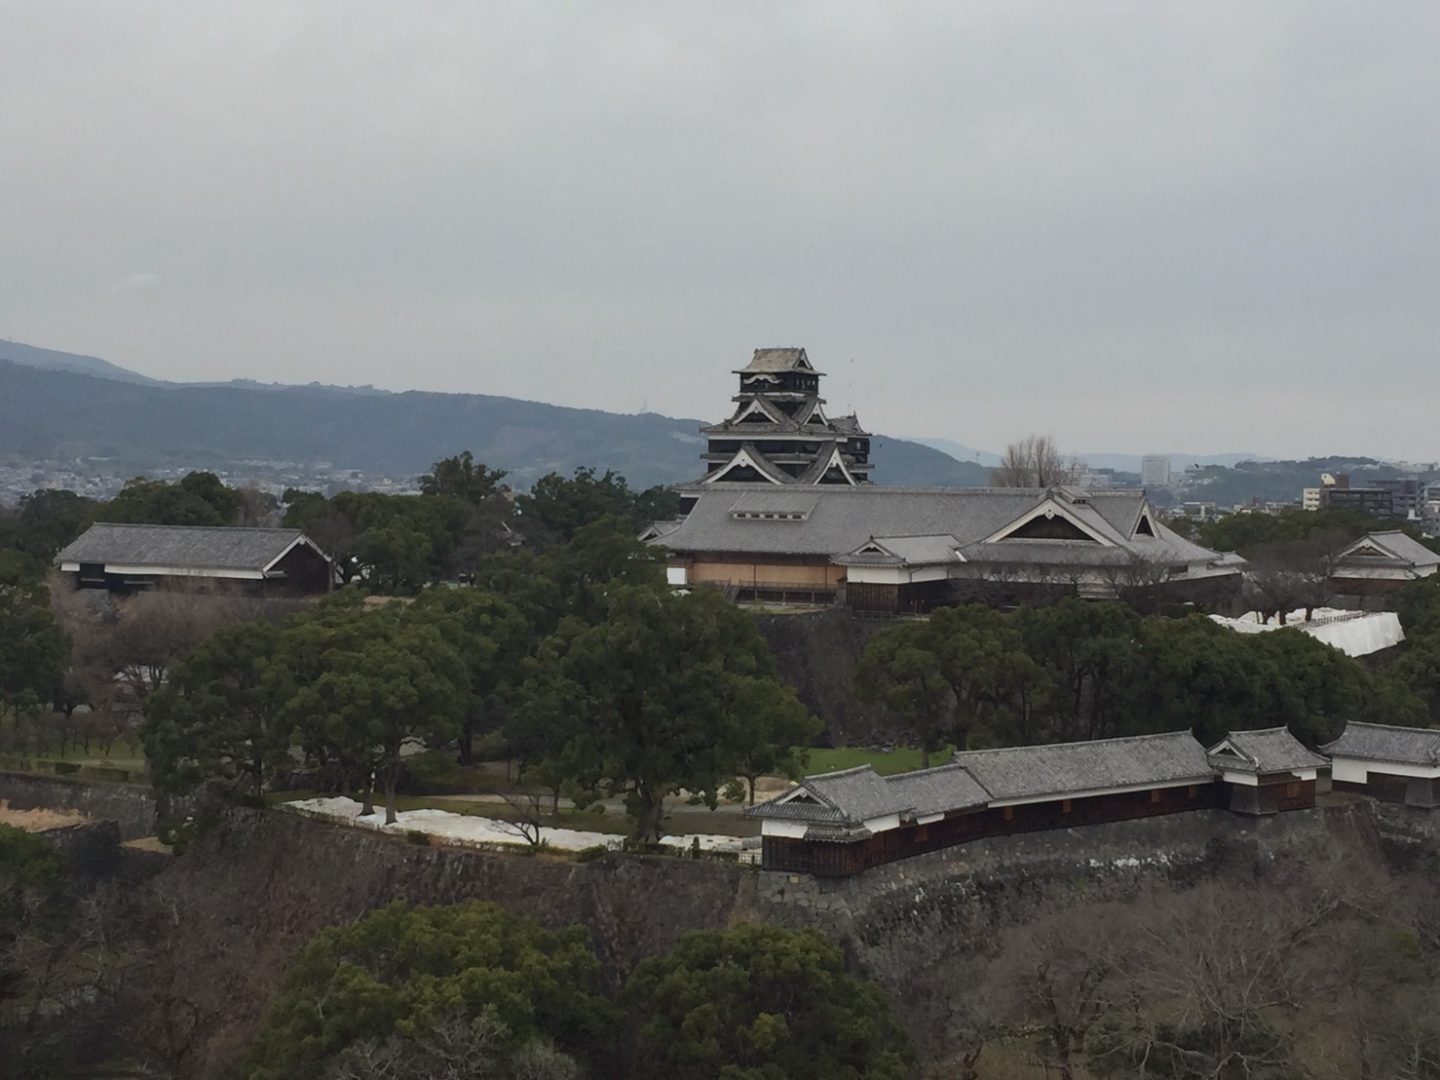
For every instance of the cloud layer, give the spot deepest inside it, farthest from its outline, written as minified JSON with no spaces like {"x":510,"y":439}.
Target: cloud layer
{"x":1136,"y":226}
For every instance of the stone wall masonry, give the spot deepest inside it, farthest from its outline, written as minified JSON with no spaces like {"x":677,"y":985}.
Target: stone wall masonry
{"x":132,"y":808}
{"x":924,"y":929}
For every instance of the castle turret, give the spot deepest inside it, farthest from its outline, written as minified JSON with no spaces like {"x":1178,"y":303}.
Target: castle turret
{"x":779,"y":433}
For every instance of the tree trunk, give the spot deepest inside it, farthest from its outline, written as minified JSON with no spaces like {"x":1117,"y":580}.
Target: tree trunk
{"x":368,"y":798}
{"x":924,"y":755}
{"x":647,"y":828}
{"x":467,"y":737}
{"x":390,"y":776}
{"x":752,"y":789}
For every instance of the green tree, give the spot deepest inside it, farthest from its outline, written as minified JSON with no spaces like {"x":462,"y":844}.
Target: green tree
{"x":1194,"y":673}
{"x":557,"y":506}
{"x":760,"y":1003}
{"x":33,"y":651}
{"x":1090,"y":652}
{"x":770,"y":732}
{"x":1416,"y":677}
{"x":462,"y":477}
{"x":597,"y":557}
{"x":493,"y":638}
{"x":649,"y":697}
{"x":35,"y":930}
{"x":222,"y":711}
{"x":900,"y":669}
{"x":404,"y":971}
{"x":49,"y":519}
{"x":983,"y":660}
{"x":397,"y":557}
{"x":369,"y":681}
{"x":199,"y":498}
{"x":1418,"y":605}
{"x":1310,"y":687}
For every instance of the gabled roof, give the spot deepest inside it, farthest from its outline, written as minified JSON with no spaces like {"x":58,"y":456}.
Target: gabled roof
{"x":776,"y":360}
{"x":843,"y":518}
{"x":854,"y":796}
{"x":1384,"y":742}
{"x":822,"y":465}
{"x":977,"y":778}
{"x":187,"y":547}
{"x":898,"y":550}
{"x":1270,"y":750}
{"x":1061,"y":769}
{"x":749,"y":457}
{"x":1396,"y":545}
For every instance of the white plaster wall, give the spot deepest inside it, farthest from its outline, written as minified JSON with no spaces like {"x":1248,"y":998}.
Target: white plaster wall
{"x":1356,"y":771}
{"x":883,"y":824}
{"x":795,"y":830}
{"x":1243,"y":778}
{"x":877,"y":575}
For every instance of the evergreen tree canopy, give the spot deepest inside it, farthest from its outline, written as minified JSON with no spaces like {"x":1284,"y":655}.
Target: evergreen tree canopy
{"x":761,"y":1003}
{"x":404,"y":970}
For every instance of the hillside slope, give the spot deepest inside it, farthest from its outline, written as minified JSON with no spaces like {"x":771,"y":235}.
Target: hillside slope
{"x":54,"y":414}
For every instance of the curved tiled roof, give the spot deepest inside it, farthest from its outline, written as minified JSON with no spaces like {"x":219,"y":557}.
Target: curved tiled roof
{"x":1384,"y":742}
{"x":1062,"y":769}
{"x":977,"y":778}
{"x":1271,"y":750}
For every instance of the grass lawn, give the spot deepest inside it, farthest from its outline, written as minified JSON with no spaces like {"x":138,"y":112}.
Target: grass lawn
{"x":901,"y":759}
{"x":124,"y":754}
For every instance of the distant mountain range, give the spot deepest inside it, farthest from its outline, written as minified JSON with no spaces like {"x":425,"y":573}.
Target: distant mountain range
{"x":61,"y":406}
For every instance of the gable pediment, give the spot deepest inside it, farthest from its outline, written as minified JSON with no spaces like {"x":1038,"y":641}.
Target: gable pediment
{"x":1048,"y":521}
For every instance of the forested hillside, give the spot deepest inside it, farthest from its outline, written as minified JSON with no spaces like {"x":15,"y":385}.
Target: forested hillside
{"x":51,"y":414}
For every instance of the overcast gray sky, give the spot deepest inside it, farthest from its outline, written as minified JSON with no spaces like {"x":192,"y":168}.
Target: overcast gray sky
{"x":1138,"y":226}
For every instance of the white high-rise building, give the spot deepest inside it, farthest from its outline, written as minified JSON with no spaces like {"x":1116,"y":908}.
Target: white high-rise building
{"x":1155,"y":470}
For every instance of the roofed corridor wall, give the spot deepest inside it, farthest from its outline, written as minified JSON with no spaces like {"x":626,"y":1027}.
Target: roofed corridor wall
{"x":832,"y":859}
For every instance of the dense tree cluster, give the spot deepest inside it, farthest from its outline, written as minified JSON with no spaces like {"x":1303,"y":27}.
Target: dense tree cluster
{"x":397,"y":544}
{"x":472,"y":991}
{"x":1415,"y":675}
{"x":603,"y":681}
{"x":977,"y":677}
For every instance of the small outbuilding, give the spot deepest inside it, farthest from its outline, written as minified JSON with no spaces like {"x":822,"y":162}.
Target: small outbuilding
{"x":1266,"y":771}
{"x":129,"y":558}
{"x":1382,"y":562}
{"x":1394,"y":764}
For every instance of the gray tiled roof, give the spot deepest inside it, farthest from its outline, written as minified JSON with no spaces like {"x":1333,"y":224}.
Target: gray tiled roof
{"x":1062,"y":769}
{"x":1405,"y":548}
{"x":844,"y":518}
{"x":976,"y":778}
{"x":1382,"y":742}
{"x":1271,"y":750}
{"x":856,"y":795}
{"x":199,"y":547}
{"x":905,"y":549}
{"x":770,"y":360}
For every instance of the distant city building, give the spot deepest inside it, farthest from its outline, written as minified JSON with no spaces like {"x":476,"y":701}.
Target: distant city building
{"x":1199,"y":511}
{"x":1155,"y":470}
{"x":1310,"y":499}
{"x":1407,"y":497}
{"x":1375,"y":501}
